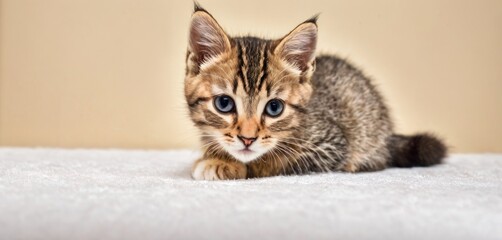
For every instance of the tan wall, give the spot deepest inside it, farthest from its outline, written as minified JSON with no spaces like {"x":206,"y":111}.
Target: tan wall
{"x":109,"y":73}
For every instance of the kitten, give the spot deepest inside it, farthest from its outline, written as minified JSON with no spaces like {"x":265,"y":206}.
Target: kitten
{"x":270,"y":107}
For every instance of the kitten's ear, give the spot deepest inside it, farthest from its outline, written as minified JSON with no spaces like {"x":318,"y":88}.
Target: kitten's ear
{"x":298,"y":47}
{"x":207,"y":39}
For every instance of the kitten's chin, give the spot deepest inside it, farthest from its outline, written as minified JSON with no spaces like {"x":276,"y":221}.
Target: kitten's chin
{"x":245,"y":155}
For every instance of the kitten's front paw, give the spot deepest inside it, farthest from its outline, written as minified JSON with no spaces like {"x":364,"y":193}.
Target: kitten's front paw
{"x":213,"y":169}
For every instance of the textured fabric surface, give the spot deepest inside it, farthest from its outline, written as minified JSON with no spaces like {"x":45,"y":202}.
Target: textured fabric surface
{"x":116,"y":194}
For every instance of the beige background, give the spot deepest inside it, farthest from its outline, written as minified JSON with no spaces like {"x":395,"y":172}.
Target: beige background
{"x":109,"y":73}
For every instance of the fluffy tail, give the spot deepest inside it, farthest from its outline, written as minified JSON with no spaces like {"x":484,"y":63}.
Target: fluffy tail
{"x":417,"y":150}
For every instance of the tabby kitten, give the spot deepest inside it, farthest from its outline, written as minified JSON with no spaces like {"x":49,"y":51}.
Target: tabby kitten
{"x":270,"y":107}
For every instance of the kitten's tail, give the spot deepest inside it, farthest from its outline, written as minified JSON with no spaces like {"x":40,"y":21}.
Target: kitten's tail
{"x":417,"y":150}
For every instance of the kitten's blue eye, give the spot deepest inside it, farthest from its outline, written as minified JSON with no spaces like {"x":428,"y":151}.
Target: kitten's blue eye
{"x":224,"y":103}
{"x":274,"y":107}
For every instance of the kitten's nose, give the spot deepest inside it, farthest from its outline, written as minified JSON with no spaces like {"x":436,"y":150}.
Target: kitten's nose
{"x":247,"y":141}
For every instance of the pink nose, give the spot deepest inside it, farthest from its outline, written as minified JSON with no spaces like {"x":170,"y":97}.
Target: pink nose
{"x":247,"y":141}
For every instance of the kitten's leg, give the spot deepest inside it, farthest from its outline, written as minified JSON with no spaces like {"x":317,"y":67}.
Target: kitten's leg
{"x":269,"y":166}
{"x":216,"y":169}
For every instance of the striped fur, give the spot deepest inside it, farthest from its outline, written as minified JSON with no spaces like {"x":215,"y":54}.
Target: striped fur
{"x":333,"y":119}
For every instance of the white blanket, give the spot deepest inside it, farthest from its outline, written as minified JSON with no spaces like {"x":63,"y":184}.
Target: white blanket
{"x":117,"y":194}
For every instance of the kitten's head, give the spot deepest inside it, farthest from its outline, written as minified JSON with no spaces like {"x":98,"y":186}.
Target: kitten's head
{"x":247,"y":94}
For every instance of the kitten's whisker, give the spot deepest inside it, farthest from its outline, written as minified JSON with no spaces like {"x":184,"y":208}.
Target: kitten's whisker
{"x":289,"y":152}
{"x":287,"y":162}
{"x":292,"y":156}
{"x":317,"y":147}
{"x":325,"y":163}
{"x":278,"y":159}
{"x":304,"y":159}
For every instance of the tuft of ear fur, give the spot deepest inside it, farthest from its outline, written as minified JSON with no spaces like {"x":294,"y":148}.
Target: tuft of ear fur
{"x":197,"y":7}
{"x":298,"y":47}
{"x":207,"y":40}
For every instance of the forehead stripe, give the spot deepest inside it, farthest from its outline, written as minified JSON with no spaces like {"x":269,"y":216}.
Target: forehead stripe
{"x":240,"y":74}
{"x":235,"y":85}
{"x":264,"y":71}
{"x":243,"y":60}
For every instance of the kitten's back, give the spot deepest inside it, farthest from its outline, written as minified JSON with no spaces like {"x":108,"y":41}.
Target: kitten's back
{"x":347,"y":104}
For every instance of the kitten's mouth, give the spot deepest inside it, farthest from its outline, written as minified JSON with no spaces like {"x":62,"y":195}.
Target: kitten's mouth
{"x":246,"y":151}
